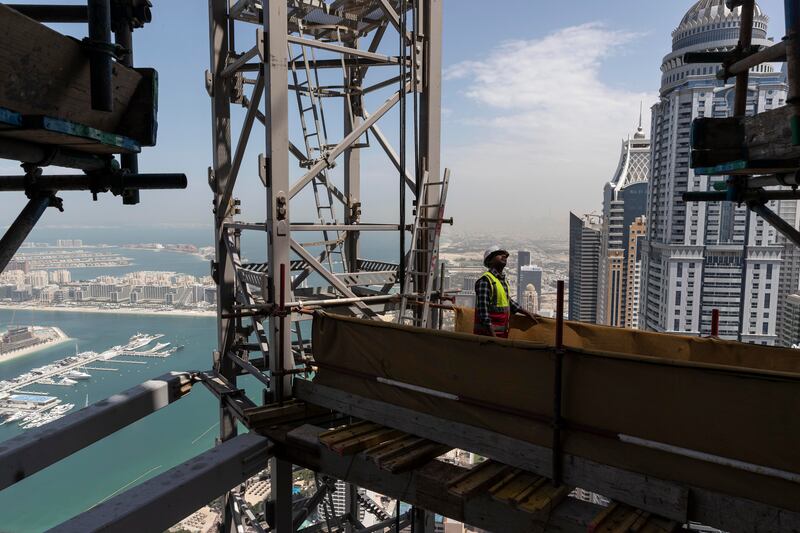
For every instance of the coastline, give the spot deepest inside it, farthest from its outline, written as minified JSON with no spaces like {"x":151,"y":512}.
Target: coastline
{"x":97,"y":310}
{"x":62,"y":338}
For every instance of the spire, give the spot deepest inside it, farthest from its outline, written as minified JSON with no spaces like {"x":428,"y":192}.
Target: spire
{"x":641,"y":103}
{"x":639,"y":132}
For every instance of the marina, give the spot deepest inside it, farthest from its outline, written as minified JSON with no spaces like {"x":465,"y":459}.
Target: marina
{"x":32,"y":409}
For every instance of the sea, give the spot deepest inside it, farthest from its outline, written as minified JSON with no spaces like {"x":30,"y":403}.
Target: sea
{"x":156,"y":443}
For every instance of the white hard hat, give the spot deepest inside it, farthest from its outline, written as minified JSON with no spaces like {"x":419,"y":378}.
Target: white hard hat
{"x":492,"y":251}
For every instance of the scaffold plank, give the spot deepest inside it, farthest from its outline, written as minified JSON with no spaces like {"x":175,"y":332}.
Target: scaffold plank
{"x":661,"y":497}
{"x":426,"y":487}
{"x":478,"y":478}
{"x":368,"y":440}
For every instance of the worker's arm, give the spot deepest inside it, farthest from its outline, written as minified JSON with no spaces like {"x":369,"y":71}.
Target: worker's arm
{"x":483,"y":297}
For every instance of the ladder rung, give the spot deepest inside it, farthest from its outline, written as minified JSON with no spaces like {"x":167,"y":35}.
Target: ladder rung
{"x":307,"y":109}
{"x":428,"y":184}
{"x":429,"y":205}
{"x":311,"y":135}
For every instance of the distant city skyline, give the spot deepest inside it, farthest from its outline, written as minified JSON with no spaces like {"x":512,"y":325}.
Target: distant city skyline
{"x":520,"y":107}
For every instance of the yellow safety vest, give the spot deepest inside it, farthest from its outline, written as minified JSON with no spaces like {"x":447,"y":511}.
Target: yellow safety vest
{"x":500,"y":295}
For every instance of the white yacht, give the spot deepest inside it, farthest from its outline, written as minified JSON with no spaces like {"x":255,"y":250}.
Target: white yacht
{"x":77,"y":375}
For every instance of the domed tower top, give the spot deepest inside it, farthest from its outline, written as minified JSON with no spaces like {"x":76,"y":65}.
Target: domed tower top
{"x":709,"y":25}
{"x":711,"y":20}
{"x":711,"y":9}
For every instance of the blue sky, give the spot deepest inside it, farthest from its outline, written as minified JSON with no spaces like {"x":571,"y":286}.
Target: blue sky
{"x":537,"y":96}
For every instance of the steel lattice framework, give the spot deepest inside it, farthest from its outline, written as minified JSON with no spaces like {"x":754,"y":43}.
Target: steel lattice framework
{"x":311,"y":57}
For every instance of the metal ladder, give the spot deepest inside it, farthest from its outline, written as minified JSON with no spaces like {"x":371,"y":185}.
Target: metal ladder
{"x":314,"y":130}
{"x":427,"y":255}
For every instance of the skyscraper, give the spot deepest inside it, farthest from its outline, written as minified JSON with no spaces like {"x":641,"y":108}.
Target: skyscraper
{"x":789,"y":281}
{"x":584,"y":257}
{"x":695,"y":258}
{"x":624,"y":199}
{"x":636,"y":235}
{"x":529,"y":275}
{"x":523,"y":259}
{"x":530,"y":299}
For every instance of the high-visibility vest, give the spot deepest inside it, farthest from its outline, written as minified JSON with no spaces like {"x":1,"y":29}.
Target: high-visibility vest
{"x":499,"y":309}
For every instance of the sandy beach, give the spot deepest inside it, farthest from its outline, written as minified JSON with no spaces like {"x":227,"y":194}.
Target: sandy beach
{"x":183,"y":313}
{"x":60,"y":339}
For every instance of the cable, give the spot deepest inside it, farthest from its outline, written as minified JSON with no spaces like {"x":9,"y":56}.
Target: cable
{"x":403,"y":72}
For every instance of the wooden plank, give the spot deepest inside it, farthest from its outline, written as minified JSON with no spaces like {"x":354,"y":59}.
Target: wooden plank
{"x":415,"y":457}
{"x":546,"y":498}
{"x":275,"y":414}
{"x":661,"y":497}
{"x":345,"y":427}
{"x":47,"y":73}
{"x":478,"y":478}
{"x":395,"y":448}
{"x":765,"y":137}
{"x":340,"y":435}
{"x":426,"y":487}
{"x":391,"y":448}
{"x":362,"y":442}
{"x":514,"y":486}
{"x":140,"y":120}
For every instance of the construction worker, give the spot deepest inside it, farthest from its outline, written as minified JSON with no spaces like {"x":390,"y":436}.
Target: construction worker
{"x":493,"y":305}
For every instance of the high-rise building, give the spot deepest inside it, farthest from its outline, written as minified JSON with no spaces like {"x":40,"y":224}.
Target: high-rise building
{"x":523,"y":259}
{"x":339,"y":501}
{"x":60,"y":276}
{"x":789,"y":280}
{"x":584,"y":258}
{"x":37,"y":278}
{"x":529,"y":275}
{"x":624,"y":200}
{"x":789,"y":326}
{"x":530,"y":299}
{"x":695,"y":256}
{"x":636,"y":235}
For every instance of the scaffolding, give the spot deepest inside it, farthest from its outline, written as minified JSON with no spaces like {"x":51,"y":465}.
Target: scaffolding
{"x":320,"y":78}
{"x":328,"y":74}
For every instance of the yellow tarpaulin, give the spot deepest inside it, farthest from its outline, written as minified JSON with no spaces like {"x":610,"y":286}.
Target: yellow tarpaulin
{"x":633,"y":342}
{"x":676,"y":394}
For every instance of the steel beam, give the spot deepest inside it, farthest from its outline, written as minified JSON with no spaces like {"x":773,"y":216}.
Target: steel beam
{"x":786,"y":229}
{"x":161,"y":502}
{"x":393,"y":157}
{"x":223,"y":269}
{"x":349,"y":139}
{"x":98,"y":181}
{"x":33,"y":450}
{"x":352,"y":164}
{"x":275,"y":72}
{"x":42,"y":155}
{"x":21,"y":227}
{"x":355,"y":52}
